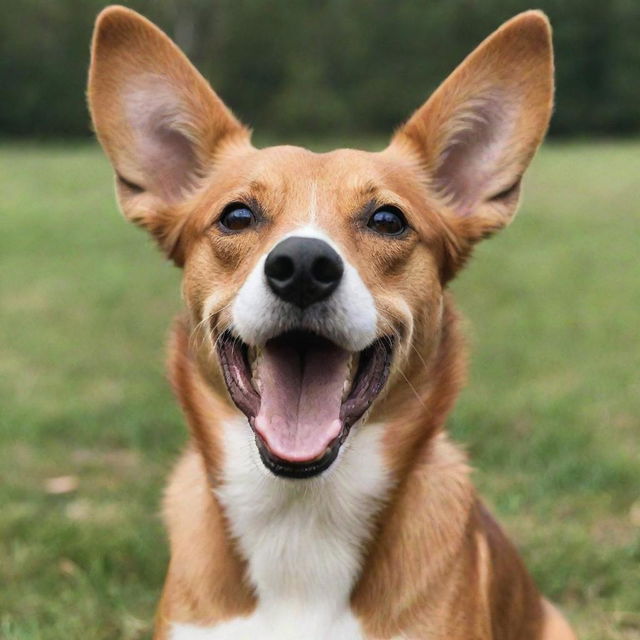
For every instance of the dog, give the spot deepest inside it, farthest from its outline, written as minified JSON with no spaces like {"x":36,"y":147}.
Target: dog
{"x":319,"y":496}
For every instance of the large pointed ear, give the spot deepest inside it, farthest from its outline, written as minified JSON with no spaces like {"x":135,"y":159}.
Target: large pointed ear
{"x":157,"y":118}
{"x":477,"y":133}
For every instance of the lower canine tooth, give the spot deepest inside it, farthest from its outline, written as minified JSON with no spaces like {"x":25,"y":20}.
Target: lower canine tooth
{"x":254,"y":356}
{"x":345,"y":389}
{"x":351,"y":372}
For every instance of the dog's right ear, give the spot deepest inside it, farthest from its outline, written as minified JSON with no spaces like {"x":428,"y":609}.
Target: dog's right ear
{"x":157,"y":118}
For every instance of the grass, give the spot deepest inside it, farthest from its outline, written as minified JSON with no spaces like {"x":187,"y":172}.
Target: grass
{"x":550,"y":415}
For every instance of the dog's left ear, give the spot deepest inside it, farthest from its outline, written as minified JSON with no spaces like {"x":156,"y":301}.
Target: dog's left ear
{"x":157,"y":118}
{"x":477,"y":133}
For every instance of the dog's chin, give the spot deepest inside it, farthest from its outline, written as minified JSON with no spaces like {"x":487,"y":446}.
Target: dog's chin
{"x":301,"y":394}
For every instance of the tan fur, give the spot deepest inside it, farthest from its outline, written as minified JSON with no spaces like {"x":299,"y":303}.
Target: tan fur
{"x":438,"y":565}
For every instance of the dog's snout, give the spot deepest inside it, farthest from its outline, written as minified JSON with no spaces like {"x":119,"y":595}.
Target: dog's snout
{"x":303,"y":270}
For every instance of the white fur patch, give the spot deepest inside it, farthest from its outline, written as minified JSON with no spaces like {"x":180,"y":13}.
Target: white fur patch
{"x":348,"y":316}
{"x":302,"y":539}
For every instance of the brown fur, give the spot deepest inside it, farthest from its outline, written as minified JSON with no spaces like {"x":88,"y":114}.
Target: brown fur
{"x":438,"y":565}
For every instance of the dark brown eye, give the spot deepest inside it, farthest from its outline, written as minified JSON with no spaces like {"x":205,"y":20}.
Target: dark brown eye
{"x":237,"y":217}
{"x":387,"y":221}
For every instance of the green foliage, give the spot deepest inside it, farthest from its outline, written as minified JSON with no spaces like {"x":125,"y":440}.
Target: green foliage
{"x":360,"y":66}
{"x":550,"y":416}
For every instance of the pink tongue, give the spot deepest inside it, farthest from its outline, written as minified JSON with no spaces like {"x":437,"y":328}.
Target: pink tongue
{"x":301,"y":395}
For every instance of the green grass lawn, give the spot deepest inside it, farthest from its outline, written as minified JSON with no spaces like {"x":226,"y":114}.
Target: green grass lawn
{"x":550,"y":415}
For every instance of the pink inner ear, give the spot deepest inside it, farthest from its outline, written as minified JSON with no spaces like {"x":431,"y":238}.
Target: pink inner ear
{"x":476,"y":149}
{"x":163,"y":154}
{"x":169,"y":160}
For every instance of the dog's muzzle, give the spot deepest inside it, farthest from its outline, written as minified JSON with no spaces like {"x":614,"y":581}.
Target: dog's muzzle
{"x":302,"y":359}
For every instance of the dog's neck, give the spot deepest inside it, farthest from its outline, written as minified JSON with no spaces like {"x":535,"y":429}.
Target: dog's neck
{"x":322,"y":541}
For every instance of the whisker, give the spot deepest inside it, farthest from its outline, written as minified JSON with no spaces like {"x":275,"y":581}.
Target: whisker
{"x":413,"y":389}
{"x":197,"y":330}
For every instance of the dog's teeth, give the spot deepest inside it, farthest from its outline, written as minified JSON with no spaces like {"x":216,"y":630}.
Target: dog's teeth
{"x":255,"y":354}
{"x":351,"y":372}
{"x":354,"y":364}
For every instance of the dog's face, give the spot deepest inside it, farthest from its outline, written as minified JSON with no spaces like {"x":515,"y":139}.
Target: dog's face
{"x":315,"y":277}
{"x":310,"y":273}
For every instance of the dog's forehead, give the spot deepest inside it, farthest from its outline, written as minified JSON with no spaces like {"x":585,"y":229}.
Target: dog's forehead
{"x":295,"y":170}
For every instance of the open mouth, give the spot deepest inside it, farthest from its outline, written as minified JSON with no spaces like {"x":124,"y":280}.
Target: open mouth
{"x":302,"y":394}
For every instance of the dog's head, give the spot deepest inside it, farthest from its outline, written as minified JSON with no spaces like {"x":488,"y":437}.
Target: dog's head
{"x":315,"y":276}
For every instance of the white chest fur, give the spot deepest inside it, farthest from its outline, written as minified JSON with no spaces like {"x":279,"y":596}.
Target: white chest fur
{"x":303,"y":540}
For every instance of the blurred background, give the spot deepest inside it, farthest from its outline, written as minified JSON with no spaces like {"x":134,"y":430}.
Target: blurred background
{"x":324,"y":66}
{"x":88,"y":426}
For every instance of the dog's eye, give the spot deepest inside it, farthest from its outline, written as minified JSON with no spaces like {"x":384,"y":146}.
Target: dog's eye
{"x":236,"y":217}
{"x":387,"y":221}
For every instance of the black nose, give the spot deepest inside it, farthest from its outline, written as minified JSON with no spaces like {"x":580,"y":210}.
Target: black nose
{"x":303,"y":270}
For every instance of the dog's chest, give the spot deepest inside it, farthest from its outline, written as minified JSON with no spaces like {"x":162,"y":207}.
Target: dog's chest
{"x":303,"y":541}
{"x":270,"y":625}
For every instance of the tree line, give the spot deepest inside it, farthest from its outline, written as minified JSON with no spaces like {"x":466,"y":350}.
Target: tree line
{"x":322,"y":67}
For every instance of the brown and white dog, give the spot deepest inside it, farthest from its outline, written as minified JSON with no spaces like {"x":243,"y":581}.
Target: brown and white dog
{"x":319,"y":497}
